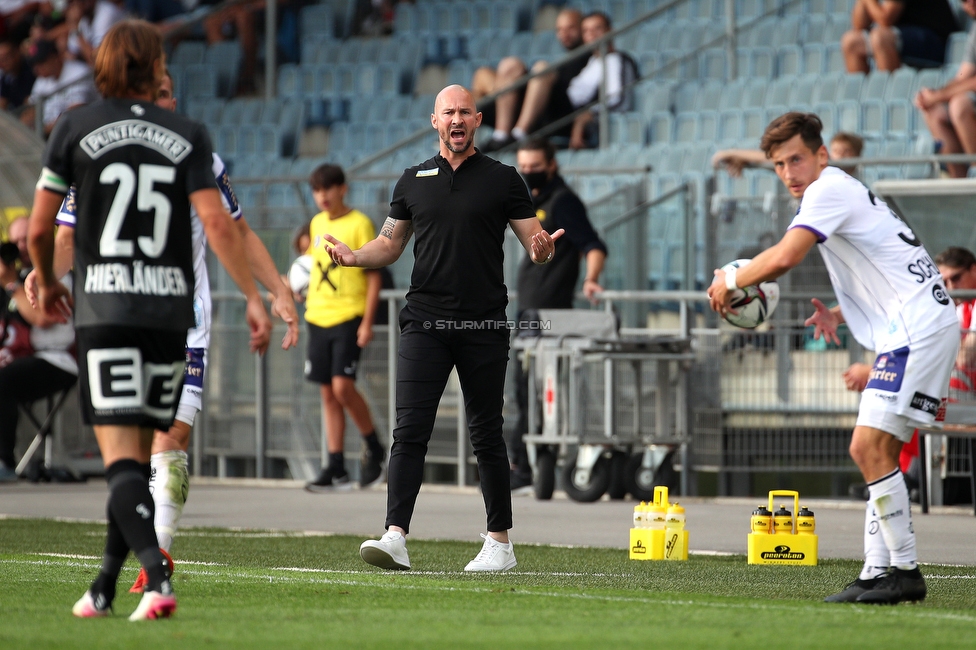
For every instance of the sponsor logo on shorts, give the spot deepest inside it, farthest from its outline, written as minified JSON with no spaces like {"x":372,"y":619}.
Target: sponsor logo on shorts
{"x":925,"y":403}
{"x":888,"y":371}
{"x":940,"y":295}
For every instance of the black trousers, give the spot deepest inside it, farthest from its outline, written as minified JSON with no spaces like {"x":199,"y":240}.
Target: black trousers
{"x":25,"y":380}
{"x":430,"y":346}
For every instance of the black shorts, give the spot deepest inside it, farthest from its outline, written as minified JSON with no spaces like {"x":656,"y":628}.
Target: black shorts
{"x":130,"y":375}
{"x":332,"y":351}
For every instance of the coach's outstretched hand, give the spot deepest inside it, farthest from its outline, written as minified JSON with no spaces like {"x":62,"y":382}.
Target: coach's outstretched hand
{"x":825,"y":322}
{"x":339,"y":252}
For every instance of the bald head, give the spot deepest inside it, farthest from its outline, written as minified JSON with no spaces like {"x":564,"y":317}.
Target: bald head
{"x":456,"y":119}
{"x":569,"y":26}
{"x":454,"y":93}
{"x":17,"y":233}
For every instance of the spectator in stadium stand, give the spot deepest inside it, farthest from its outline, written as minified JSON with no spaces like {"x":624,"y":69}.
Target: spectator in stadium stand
{"x":86,"y":23}
{"x":16,"y":77}
{"x":553,"y":285}
{"x":18,"y":17}
{"x":36,"y":351}
{"x":544,"y":99}
{"x":896,"y":32}
{"x":950,"y":111}
{"x":622,"y":72}
{"x":53,"y":71}
{"x":842,"y":146}
{"x":238,"y":20}
{"x":892,"y":299}
{"x":460,"y":203}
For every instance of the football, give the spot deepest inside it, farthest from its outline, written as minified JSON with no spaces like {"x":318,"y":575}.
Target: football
{"x":299,"y":273}
{"x":755,"y":303}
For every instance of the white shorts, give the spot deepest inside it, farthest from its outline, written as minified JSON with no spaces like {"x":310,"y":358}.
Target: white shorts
{"x":191,"y":399}
{"x":907,"y":387}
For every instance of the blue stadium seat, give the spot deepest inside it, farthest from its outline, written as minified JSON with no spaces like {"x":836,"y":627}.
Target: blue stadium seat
{"x":901,"y":115}
{"x":730,"y":127}
{"x":814,"y":30}
{"x":317,"y":19}
{"x":199,"y":80}
{"x":686,"y":126}
{"x":787,"y":32}
{"x":289,"y":80}
{"x":661,"y":127}
{"x":686,"y":97}
{"x":225,"y":58}
{"x":709,"y":96}
{"x":778,"y":91}
{"x":732,"y":94}
{"x":956,"y":47}
{"x":873,"y":118}
{"x":901,"y":83}
{"x":706,"y":126}
{"x":789,"y":60}
{"x":849,"y":116}
{"x":828,"y":115}
{"x":874,"y":84}
{"x":626,"y":128}
{"x":849,"y":88}
{"x":226,"y":141}
{"x":814,"y":59}
{"x":754,"y":93}
{"x":833,"y":58}
{"x":761,"y":62}
{"x":714,"y":64}
{"x":188,"y":53}
{"x":753,"y":125}
{"x":232,"y":113}
{"x":803,"y":90}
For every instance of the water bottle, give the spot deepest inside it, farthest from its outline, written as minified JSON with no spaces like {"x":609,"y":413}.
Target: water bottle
{"x":783,"y":521}
{"x":655,"y":516}
{"x":762,"y":520}
{"x":674,"y":526}
{"x":639,"y":515}
{"x":805,"y":523}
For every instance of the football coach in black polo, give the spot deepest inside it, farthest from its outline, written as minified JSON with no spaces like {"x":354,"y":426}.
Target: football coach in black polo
{"x":458,"y":204}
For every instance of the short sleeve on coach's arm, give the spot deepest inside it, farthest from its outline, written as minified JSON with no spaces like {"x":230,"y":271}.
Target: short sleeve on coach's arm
{"x":519,"y":203}
{"x":823,"y":210}
{"x":398,"y":204}
{"x":199,"y":169}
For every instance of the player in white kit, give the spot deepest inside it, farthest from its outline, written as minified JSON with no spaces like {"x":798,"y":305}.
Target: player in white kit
{"x":892,"y":298}
{"x":169,"y":480}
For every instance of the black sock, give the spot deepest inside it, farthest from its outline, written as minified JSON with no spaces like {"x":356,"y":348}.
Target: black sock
{"x":373,"y":442}
{"x":131,"y":504}
{"x":116,"y":550}
{"x":337,"y":463}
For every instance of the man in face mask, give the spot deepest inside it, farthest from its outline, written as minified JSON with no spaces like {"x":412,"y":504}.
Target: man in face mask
{"x":551,"y":286}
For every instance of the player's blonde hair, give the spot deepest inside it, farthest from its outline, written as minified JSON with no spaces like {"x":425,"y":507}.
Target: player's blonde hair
{"x":126,"y":64}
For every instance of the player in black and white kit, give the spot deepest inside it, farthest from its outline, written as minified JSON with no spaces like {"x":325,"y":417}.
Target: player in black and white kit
{"x":459,"y":203}
{"x":137,"y":169}
{"x":891,"y":296}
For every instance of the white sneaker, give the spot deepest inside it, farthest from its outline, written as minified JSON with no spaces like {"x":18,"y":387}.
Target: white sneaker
{"x":88,"y":607}
{"x":494,"y":556}
{"x":388,"y":552}
{"x":154,"y":605}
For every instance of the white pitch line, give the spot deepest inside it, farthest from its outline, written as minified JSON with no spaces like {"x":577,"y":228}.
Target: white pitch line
{"x":526,"y":591}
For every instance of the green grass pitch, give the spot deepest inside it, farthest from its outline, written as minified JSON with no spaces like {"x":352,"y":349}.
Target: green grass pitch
{"x":260,"y":589}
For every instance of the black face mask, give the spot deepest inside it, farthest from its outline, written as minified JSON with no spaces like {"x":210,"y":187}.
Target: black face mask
{"x":536,"y":180}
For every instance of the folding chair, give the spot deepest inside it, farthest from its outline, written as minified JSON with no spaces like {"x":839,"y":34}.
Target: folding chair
{"x":44,"y":467}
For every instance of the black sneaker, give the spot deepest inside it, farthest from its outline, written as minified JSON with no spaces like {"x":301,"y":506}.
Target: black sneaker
{"x":896,"y":587}
{"x":370,"y":466}
{"x":853,"y":590}
{"x":328,"y":481}
{"x":519,"y":480}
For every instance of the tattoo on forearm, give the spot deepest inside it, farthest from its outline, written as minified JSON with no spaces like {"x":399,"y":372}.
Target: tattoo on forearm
{"x":406,"y":235}
{"x":387,"y":230}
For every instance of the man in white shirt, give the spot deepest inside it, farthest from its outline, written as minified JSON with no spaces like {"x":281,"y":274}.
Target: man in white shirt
{"x":892,"y":298}
{"x":621,"y":73}
{"x":53,"y":72}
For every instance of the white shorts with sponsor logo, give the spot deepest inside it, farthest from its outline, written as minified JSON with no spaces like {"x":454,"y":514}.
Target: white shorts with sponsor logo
{"x":191,"y":399}
{"x":908,"y":385}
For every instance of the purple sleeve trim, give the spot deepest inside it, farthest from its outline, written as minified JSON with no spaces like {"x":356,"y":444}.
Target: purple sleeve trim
{"x":821,"y":238}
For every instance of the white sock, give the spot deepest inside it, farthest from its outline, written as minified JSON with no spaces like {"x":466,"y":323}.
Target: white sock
{"x":518,"y":133}
{"x":499,"y":135}
{"x":876,"y":555}
{"x":889,"y":497}
{"x":169,"y":486}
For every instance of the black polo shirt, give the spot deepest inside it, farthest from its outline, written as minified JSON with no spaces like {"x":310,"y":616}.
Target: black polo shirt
{"x":459,"y":220}
{"x":552,"y":285}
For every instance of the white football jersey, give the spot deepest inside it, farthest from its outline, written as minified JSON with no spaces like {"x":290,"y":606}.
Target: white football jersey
{"x":888,"y":286}
{"x":199,"y":335}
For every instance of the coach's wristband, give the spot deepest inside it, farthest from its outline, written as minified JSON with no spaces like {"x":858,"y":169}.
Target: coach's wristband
{"x":730,"y":279}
